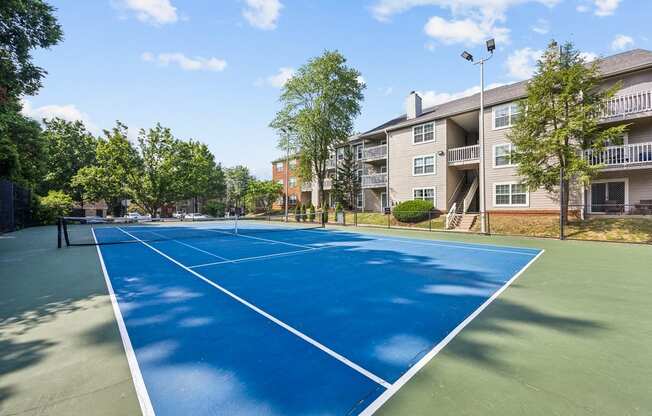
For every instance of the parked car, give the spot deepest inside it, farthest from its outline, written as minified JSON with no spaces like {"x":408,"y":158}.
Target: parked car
{"x":179,"y":215}
{"x":195,"y":216}
{"x":135,"y":216}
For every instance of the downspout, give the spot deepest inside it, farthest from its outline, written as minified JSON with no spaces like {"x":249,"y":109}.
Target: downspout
{"x":389,"y":204}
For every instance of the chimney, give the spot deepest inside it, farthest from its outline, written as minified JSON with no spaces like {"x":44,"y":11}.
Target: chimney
{"x":413,"y":109}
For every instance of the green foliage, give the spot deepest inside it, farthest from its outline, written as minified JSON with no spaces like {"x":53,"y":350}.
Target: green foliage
{"x":338,"y":207}
{"x":25,"y":25}
{"x":559,"y":120}
{"x":69,"y":147}
{"x":199,"y":176}
{"x":56,"y":204}
{"x":413,"y":211}
{"x":214,"y":208}
{"x":311,"y":212}
{"x":304,"y":211}
{"x":319,"y":104}
{"x":263,"y":193}
{"x":297,"y":212}
{"x":346,"y":184}
{"x":237,"y":180}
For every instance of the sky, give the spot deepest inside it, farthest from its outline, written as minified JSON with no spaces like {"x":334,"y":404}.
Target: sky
{"x":212,"y":70}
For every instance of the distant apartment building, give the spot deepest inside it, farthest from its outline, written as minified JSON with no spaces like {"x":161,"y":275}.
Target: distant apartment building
{"x":434,"y":153}
{"x":286,"y":173}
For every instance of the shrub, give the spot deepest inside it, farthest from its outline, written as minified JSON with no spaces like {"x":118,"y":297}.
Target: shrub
{"x":311,"y":212}
{"x":214,"y":208}
{"x":413,"y":211}
{"x":56,"y":204}
{"x":297,"y":212}
{"x":303,"y":213}
{"x":338,"y":207}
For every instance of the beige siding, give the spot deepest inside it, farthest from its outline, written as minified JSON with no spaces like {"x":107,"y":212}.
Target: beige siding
{"x":455,"y":137}
{"x":401,"y":154}
{"x":639,"y":183}
{"x":640,"y":131}
{"x":372,"y":200}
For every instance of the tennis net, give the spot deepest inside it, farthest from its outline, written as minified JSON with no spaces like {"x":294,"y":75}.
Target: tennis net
{"x":86,"y":231}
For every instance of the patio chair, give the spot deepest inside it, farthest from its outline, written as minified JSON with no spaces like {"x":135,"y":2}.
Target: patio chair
{"x":613,"y":207}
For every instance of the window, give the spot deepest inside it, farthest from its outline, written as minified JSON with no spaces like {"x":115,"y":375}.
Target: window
{"x":357,"y":150}
{"x":423,"y":133}
{"x":505,"y":115}
{"x":503,"y":155}
{"x":279,"y":166}
{"x":292,"y":182}
{"x":340,"y":153}
{"x":423,"y":165}
{"x":511,"y":194}
{"x":359,"y":200}
{"x":358,"y":174}
{"x":426,"y":194}
{"x":292,"y":200}
{"x":293,"y":164}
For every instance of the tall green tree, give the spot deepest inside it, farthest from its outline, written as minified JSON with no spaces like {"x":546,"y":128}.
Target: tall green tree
{"x":237,"y":180}
{"x":346,"y":183}
{"x":559,"y":120}
{"x":69,"y":147}
{"x":203,"y":179}
{"x":22,"y":147}
{"x":319,"y":104}
{"x":117,"y":166}
{"x":263,"y":193}
{"x":24,"y":25}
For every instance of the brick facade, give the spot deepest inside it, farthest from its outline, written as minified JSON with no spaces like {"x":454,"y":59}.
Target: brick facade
{"x":293,"y":186}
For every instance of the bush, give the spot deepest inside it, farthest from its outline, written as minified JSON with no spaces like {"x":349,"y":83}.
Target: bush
{"x":214,"y":208}
{"x":56,"y":204}
{"x":303,"y":213}
{"x":311,"y":212}
{"x":413,"y":211}
{"x":297,"y":212}
{"x":338,"y":207}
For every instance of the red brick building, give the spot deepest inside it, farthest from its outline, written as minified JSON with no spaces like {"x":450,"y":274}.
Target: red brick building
{"x":282,"y":173}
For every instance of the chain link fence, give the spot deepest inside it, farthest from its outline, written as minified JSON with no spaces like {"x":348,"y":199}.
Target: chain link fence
{"x":15,"y":206}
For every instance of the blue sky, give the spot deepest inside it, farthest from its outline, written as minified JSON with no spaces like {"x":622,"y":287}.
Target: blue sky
{"x":212,"y":70}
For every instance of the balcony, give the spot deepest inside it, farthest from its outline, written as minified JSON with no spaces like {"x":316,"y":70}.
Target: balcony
{"x":376,"y":180}
{"x":621,"y":157}
{"x":464,"y":155}
{"x":331,"y":164}
{"x":374,"y":153}
{"x":622,"y":106}
{"x":306,"y":187}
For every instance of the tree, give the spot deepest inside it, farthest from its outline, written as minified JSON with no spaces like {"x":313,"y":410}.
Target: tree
{"x":69,"y":147}
{"x":54,"y":205}
{"x":559,"y":121}
{"x":22,"y":154}
{"x":116,"y":167}
{"x":201,"y":176}
{"x":319,"y":104}
{"x":237,"y":180}
{"x":263,"y":192}
{"x":346,"y":184}
{"x":25,"y":25}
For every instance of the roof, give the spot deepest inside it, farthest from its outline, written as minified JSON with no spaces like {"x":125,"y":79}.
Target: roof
{"x":613,"y":65}
{"x":282,"y":158}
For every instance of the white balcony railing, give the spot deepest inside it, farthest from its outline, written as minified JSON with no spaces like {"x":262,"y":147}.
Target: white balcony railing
{"x":331,"y":164}
{"x":375,"y":180}
{"x":306,"y":187}
{"x":621,"y":156}
{"x":374,"y":153}
{"x":464,"y":154}
{"x":626,"y":104}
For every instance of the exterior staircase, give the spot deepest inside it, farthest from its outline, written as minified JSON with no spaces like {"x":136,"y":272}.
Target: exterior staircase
{"x":458,"y":217}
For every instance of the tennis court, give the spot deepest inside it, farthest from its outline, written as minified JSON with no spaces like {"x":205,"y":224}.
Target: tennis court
{"x":280,"y":319}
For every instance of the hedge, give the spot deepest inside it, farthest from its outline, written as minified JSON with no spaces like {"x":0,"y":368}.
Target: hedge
{"x":413,"y":211}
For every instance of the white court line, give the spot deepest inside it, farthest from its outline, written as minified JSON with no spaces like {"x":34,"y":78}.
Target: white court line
{"x":461,"y":245}
{"x":387,"y":394}
{"x":261,"y":239}
{"x":137,"y":377}
{"x":191,"y":246}
{"x":265,"y":256}
{"x":272,"y":318}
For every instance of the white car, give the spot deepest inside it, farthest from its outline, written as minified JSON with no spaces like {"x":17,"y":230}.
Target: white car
{"x":195,"y":216}
{"x":135,"y":216}
{"x":179,"y":215}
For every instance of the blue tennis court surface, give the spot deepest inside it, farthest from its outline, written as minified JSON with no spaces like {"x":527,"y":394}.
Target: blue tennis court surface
{"x":287,"y":322}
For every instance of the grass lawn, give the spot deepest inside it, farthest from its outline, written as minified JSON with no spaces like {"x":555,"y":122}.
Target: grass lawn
{"x":380,"y":219}
{"x":569,"y":337}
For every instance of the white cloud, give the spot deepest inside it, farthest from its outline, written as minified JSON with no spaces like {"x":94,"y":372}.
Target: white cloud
{"x":606,"y":7}
{"x":186,"y":63}
{"x":152,"y":11}
{"x":262,"y":14}
{"x":621,"y":42}
{"x":431,"y":98}
{"x":277,"y":80}
{"x":521,"y":63}
{"x":67,"y":112}
{"x":542,"y":26}
{"x":465,"y":31}
{"x":589,"y":56}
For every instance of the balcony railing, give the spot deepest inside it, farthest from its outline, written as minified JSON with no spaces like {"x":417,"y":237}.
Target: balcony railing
{"x":629,"y":155}
{"x":374,"y":153}
{"x":331,"y":164}
{"x":375,"y":180}
{"x":306,"y":187}
{"x":626,"y":104}
{"x":466,"y":154}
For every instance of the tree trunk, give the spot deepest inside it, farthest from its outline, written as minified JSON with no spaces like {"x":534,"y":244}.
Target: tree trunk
{"x":565,"y":204}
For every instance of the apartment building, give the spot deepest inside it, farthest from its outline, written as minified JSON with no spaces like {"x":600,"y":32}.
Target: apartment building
{"x":286,"y":172}
{"x":434,"y":153}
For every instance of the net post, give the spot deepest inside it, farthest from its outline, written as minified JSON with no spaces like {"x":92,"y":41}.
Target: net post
{"x":388,"y":221}
{"x":59,"y":232}
{"x":235,"y":224}
{"x":65,"y":231}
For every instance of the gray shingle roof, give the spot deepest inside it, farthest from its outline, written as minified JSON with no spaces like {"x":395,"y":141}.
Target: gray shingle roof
{"x":609,"y":66}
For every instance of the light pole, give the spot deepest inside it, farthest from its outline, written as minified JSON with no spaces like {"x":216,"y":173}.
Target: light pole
{"x":491,"y":46}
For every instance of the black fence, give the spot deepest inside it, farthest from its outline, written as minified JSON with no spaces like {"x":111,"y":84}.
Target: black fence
{"x":15,"y":206}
